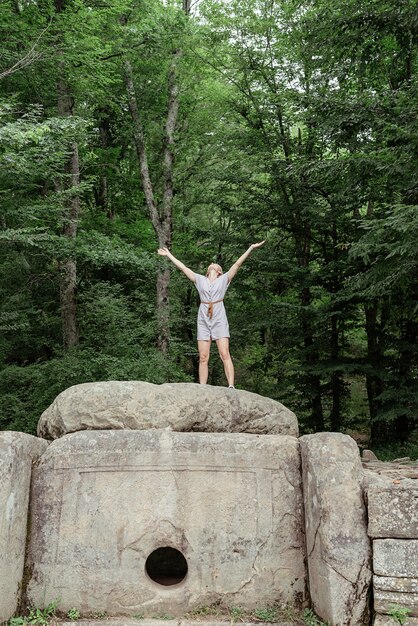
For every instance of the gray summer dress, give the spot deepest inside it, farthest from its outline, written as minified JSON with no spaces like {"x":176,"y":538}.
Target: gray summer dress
{"x":217,"y":326}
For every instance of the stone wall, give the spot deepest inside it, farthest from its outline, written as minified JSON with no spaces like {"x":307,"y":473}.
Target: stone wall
{"x":393,"y":526}
{"x":233,"y":505}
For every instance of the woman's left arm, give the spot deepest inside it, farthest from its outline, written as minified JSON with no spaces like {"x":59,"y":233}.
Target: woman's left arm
{"x":234,"y":269}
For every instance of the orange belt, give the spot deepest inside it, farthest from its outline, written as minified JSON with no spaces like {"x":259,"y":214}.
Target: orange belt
{"x":210,"y":309}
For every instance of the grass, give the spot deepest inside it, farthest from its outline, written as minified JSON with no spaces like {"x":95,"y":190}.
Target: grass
{"x":36,"y":616}
{"x":229,"y":614}
{"x":263,"y":614}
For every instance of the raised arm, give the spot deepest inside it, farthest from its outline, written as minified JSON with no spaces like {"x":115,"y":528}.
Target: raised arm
{"x":234,"y":269}
{"x":166,"y":252}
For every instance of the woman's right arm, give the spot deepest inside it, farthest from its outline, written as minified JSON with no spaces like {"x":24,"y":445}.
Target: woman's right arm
{"x":166,"y":252}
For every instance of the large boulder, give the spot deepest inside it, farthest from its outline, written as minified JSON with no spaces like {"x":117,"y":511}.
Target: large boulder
{"x":182,"y":407}
{"x":338,"y":548}
{"x":104,"y":501}
{"x":17,"y":451}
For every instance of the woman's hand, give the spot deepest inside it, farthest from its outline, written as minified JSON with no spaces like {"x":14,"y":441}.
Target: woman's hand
{"x":163,"y":251}
{"x":257,"y":245}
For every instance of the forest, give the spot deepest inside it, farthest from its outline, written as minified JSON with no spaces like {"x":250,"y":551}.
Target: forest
{"x":205,"y":126}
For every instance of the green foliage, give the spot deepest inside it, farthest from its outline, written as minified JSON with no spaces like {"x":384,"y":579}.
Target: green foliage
{"x":267,"y":614}
{"x":236,"y":613}
{"x":310,"y":619}
{"x":316,"y":153}
{"x":37,"y":616}
{"x":73,"y":614}
{"x":399,"y":613}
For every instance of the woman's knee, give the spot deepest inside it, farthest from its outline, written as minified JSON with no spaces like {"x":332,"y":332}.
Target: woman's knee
{"x":224,"y":354}
{"x":203,"y":357}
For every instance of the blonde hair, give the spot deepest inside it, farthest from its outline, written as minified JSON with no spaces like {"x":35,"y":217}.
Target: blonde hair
{"x":217,"y":266}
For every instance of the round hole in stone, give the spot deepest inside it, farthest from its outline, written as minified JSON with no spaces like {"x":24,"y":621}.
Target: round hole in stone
{"x":166,"y":566}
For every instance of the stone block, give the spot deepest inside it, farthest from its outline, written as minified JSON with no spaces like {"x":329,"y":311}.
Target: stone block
{"x":182,"y":407}
{"x":383,"y":600}
{"x":208,"y":621}
{"x":386,"y":620}
{"x":17,"y":451}
{"x":393,"y":508}
{"x":338,"y":548}
{"x":395,"y":557}
{"x":401,"y":585}
{"x":105,"y":501}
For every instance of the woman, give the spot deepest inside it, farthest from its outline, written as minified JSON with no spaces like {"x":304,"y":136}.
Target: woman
{"x":212,"y":323}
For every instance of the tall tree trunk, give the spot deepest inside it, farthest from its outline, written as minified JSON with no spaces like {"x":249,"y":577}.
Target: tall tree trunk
{"x":312,"y":357}
{"x":103,"y":190}
{"x":68,"y":267}
{"x":404,"y":423}
{"x":160,"y":216}
{"x":337,"y":383}
{"x":374,"y":383}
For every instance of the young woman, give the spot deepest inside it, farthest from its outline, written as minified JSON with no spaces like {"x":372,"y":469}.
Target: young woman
{"x":212,"y":323}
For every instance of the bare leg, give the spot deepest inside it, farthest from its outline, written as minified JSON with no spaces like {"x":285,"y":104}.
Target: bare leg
{"x":204,"y":352}
{"x":223,"y":349}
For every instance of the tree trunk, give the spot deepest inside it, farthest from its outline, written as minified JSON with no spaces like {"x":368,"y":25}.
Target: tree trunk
{"x":337,"y":383}
{"x":404,"y":423}
{"x":374,"y":383}
{"x":103,"y":190}
{"x":161,"y":217}
{"x":68,"y":267}
{"x":312,"y":357}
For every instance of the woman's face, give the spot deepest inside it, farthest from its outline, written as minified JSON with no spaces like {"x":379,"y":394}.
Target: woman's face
{"x":214,"y":267}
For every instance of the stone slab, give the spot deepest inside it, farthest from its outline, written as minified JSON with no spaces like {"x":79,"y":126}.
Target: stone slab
{"x":393,"y":508}
{"x":105,"y":500}
{"x":182,"y":407}
{"x":17,"y":451}
{"x":402,"y":585}
{"x":395,"y":471}
{"x":338,"y":548}
{"x":383,"y":600}
{"x":386,"y":620}
{"x":395,"y":557}
{"x":162,"y":622}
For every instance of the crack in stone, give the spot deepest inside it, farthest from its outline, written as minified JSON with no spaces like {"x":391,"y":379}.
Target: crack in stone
{"x":339,"y":573}
{"x":314,"y":539}
{"x":253,"y":565}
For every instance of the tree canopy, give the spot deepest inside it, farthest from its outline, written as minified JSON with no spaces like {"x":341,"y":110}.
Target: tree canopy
{"x":205,"y":127}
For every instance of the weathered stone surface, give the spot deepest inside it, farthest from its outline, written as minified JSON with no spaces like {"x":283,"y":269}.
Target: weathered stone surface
{"x":383,"y":600}
{"x":339,"y":554}
{"x":393,"y":508}
{"x":166,"y":622}
{"x":182,"y":407}
{"x":396,"y":471}
{"x":17,"y":450}
{"x":368,"y":455}
{"x":402,"y":585}
{"x":395,"y":557}
{"x":104,"y":500}
{"x":386,"y":620}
